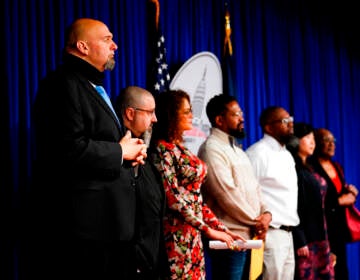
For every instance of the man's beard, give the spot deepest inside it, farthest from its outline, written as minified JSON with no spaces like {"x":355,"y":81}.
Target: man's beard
{"x":110,"y":64}
{"x":285,"y":139}
{"x":238,"y":133}
{"x":147,"y":136}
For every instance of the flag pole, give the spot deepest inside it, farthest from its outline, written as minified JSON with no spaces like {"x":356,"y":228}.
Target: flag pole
{"x":157,"y":13}
{"x":227,"y":39}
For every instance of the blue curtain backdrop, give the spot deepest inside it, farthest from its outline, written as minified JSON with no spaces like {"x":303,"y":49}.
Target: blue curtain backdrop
{"x":302,"y":55}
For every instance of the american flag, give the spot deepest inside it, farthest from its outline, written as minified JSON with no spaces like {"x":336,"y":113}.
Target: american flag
{"x":161,"y":71}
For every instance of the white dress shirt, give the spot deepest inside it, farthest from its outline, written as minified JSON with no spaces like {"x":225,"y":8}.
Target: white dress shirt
{"x":275,"y":169}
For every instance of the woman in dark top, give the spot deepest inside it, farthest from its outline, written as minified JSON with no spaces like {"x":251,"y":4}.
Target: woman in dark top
{"x":339,"y":195}
{"x":311,"y":244}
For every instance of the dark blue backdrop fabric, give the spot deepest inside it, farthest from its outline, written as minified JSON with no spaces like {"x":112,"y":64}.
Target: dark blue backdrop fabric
{"x":302,"y":55}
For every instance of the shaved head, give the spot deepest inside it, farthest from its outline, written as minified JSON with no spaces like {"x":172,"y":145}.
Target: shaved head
{"x":79,"y":30}
{"x":133,"y":96}
{"x":91,"y":40}
{"x":136,"y":106}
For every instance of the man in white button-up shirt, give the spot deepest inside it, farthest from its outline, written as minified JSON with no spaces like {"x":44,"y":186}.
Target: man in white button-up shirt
{"x":275,"y":170}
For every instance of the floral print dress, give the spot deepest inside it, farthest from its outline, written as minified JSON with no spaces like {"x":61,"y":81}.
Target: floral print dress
{"x":186,"y":215}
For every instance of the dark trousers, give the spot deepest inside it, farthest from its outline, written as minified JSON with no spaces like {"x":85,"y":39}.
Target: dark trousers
{"x":227,"y":264}
{"x":83,"y":260}
{"x":110,"y":261}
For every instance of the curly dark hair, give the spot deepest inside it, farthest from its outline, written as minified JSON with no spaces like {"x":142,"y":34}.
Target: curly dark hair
{"x":168,"y":104}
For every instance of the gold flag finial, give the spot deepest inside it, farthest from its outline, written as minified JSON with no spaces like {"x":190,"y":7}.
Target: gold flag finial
{"x":227,"y":41}
{"x":156,"y":2}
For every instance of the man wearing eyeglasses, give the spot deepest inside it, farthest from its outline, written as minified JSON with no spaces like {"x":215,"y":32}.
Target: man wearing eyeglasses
{"x":231,"y":189}
{"x":135,"y":107}
{"x":275,"y":170}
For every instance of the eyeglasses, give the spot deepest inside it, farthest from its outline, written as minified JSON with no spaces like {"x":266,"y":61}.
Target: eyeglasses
{"x":187,"y":111}
{"x":284,"y":120}
{"x":329,"y":140}
{"x":234,"y":114}
{"x":151,"y":112}
{"x":237,"y":114}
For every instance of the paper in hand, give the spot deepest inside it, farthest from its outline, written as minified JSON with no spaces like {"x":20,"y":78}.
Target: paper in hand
{"x":249,"y":244}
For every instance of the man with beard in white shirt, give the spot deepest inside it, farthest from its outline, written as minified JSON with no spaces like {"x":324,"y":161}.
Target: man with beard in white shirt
{"x":275,"y":170}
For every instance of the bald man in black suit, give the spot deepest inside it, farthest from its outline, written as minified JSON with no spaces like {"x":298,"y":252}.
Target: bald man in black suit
{"x":85,"y":200}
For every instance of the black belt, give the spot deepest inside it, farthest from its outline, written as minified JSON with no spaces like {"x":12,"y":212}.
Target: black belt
{"x":286,"y":228}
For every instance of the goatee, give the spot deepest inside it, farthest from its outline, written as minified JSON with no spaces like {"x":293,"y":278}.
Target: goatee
{"x":285,"y":139}
{"x":110,"y":64}
{"x":147,"y":136}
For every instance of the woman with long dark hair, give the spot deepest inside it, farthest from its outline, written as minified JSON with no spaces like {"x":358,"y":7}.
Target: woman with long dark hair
{"x":183,"y":173}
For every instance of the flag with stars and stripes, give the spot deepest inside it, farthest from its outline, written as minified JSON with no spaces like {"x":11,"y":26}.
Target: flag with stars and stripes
{"x":161,"y":70}
{"x":159,"y":79}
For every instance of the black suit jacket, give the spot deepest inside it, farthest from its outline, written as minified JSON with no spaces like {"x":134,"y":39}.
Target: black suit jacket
{"x":335,"y":217}
{"x":335,"y":213}
{"x":81,"y":187}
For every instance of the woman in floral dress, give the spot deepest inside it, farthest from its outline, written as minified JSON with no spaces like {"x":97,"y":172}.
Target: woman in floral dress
{"x":182,"y":174}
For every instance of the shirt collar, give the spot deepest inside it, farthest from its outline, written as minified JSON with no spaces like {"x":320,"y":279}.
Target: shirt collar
{"x":223,"y":136}
{"x":273,"y":143}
